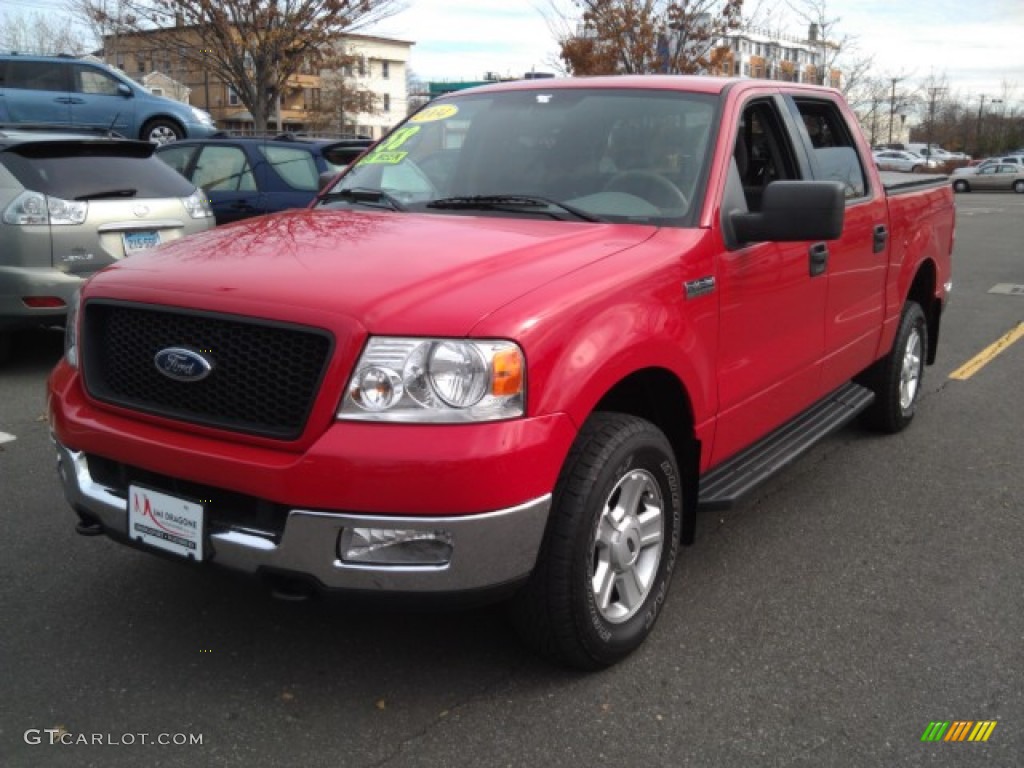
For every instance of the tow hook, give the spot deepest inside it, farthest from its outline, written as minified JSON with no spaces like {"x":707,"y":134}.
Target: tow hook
{"x":87,"y":527}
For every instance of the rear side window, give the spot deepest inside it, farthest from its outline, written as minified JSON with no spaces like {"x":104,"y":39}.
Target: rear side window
{"x":71,"y":171}
{"x":834,"y":152}
{"x":224,"y":169}
{"x":178,"y":157}
{"x":37,"y":75}
{"x":295,"y":166}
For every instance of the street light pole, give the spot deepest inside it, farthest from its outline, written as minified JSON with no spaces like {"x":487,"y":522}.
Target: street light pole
{"x":892,"y":107}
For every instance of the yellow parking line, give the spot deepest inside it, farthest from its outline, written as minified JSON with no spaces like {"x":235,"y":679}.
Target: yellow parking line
{"x":987,"y":355}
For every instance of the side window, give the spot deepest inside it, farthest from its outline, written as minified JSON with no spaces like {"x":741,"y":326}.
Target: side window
{"x":295,"y":166}
{"x":37,"y":75}
{"x":92,"y":80}
{"x":224,"y":169}
{"x":832,"y":145}
{"x":762,"y":153}
{"x":177,"y":157}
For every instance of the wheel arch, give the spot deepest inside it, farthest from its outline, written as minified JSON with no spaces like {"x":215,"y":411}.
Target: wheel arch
{"x":922,"y":291}
{"x":660,"y":397}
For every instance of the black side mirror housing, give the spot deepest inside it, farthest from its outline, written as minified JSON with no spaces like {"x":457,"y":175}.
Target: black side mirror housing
{"x":794,"y":211}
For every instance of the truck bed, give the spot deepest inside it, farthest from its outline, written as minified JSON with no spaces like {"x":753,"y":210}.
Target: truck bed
{"x":896,"y":183}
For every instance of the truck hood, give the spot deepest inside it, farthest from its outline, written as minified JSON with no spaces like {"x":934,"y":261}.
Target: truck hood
{"x":392,"y":273}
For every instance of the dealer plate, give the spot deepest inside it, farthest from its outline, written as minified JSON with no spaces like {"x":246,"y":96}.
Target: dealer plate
{"x":140,"y":241}
{"x":166,"y":522}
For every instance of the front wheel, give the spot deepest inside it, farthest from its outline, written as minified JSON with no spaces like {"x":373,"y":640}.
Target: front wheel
{"x":896,"y":378}
{"x":161,"y":131}
{"x":610,"y":548}
{"x":961,"y":186}
{"x":1018,"y":187}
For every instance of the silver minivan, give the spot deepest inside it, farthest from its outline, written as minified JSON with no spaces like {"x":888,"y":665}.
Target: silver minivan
{"x":72,"y":204}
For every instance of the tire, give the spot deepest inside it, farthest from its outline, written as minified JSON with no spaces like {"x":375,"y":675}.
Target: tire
{"x":1018,"y":187}
{"x":896,"y":378}
{"x":610,"y":547}
{"x":161,"y":131}
{"x":916,"y":169}
{"x":961,"y":186}
{"x":6,"y":344}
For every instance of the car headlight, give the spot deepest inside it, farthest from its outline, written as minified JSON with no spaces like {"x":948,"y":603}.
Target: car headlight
{"x":36,"y":208}
{"x":197,"y":205}
{"x":436,"y":381}
{"x":71,"y":330}
{"x":202,"y":116}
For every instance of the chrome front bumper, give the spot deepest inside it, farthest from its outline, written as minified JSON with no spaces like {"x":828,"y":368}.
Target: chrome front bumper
{"x":489,"y":549}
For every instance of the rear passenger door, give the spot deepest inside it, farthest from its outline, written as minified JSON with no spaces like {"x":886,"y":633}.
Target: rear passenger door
{"x":858,"y":262}
{"x":37,"y":92}
{"x":291,"y":178}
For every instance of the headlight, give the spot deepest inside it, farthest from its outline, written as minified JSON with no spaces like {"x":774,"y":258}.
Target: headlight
{"x":436,"y":380}
{"x":71,"y":330}
{"x":197,"y":205}
{"x":202,"y":116}
{"x":36,"y":208}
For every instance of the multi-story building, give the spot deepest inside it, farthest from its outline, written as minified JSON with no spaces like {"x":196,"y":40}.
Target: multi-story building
{"x":378,"y":72}
{"x":758,"y":53}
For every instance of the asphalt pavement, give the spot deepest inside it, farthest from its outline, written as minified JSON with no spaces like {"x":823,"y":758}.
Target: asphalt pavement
{"x":873,"y":588}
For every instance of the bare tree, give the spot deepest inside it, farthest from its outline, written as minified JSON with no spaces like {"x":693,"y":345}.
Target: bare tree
{"x":39,"y":33}
{"x":253,"y":45}
{"x":644,"y":36}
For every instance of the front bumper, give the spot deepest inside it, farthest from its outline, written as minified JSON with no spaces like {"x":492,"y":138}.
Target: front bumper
{"x":489,"y":550}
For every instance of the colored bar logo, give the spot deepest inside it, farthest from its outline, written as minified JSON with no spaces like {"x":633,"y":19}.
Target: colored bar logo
{"x":959,"y":730}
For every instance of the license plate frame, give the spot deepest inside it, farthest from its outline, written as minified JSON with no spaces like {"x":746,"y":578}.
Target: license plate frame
{"x":140,"y":240}
{"x":169,"y":523}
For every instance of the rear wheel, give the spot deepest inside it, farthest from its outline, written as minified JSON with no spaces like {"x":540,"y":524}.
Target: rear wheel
{"x":896,"y":378}
{"x":162,"y":131}
{"x":1018,"y":187}
{"x":916,"y":169}
{"x":610,"y":548}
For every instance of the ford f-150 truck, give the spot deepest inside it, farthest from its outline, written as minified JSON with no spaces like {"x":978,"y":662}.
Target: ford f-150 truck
{"x":511,"y":350}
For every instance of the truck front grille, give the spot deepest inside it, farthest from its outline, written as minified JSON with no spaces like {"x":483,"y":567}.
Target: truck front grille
{"x":264,"y":377}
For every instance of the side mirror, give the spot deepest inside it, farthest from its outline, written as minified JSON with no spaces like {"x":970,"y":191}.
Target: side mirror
{"x":794,"y":211}
{"x":125,"y":91}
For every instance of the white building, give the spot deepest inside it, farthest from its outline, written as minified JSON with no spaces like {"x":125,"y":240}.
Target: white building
{"x":758,"y":53}
{"x":380,"y":67}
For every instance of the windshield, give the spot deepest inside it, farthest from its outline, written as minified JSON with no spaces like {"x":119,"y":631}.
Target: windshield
{"x":575,"y":154}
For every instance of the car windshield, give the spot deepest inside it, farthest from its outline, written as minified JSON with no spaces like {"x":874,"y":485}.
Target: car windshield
{"x":574,"y":154}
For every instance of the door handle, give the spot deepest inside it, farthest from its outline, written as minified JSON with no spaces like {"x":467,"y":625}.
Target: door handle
{"x":881,"y":237}
{"x":819,"y":258}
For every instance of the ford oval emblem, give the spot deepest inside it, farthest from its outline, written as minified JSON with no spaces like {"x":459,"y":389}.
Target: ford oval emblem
{"x":182,"y":364}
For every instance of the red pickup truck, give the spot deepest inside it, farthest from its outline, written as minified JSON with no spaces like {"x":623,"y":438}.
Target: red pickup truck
{"x":511,"y":350}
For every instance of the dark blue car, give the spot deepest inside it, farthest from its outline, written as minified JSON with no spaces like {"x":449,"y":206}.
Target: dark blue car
{"x":247,"y":176}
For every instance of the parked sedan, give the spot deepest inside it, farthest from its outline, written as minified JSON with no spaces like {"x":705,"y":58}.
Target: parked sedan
{"x":995,"y":176}
{"x":71,"y":204}
{"x":901,"y":160}
{"x":248,"y":176}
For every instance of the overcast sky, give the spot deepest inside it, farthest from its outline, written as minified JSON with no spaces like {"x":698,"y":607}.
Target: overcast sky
{"x":977,"y":44}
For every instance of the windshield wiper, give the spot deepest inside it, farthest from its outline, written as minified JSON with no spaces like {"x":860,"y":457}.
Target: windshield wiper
{"x":365,"y":196}
{"x":498,"y":202}
{"x":109,"y":193}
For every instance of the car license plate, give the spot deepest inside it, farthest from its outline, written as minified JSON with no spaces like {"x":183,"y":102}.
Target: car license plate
{"x":140,"y":241}
{"x":166,"y":522}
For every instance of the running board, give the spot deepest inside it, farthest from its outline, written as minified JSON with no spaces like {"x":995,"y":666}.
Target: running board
{"x":726,"y":484}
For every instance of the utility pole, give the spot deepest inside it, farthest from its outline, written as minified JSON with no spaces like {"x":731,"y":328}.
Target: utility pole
{"x":933,"y":93}
{"x":892,"y":106}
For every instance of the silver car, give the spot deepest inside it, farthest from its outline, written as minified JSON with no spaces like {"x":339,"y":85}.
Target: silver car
{"x":994,"y":176}
{"x":70,"y":204}
{"x":901,"y":160}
